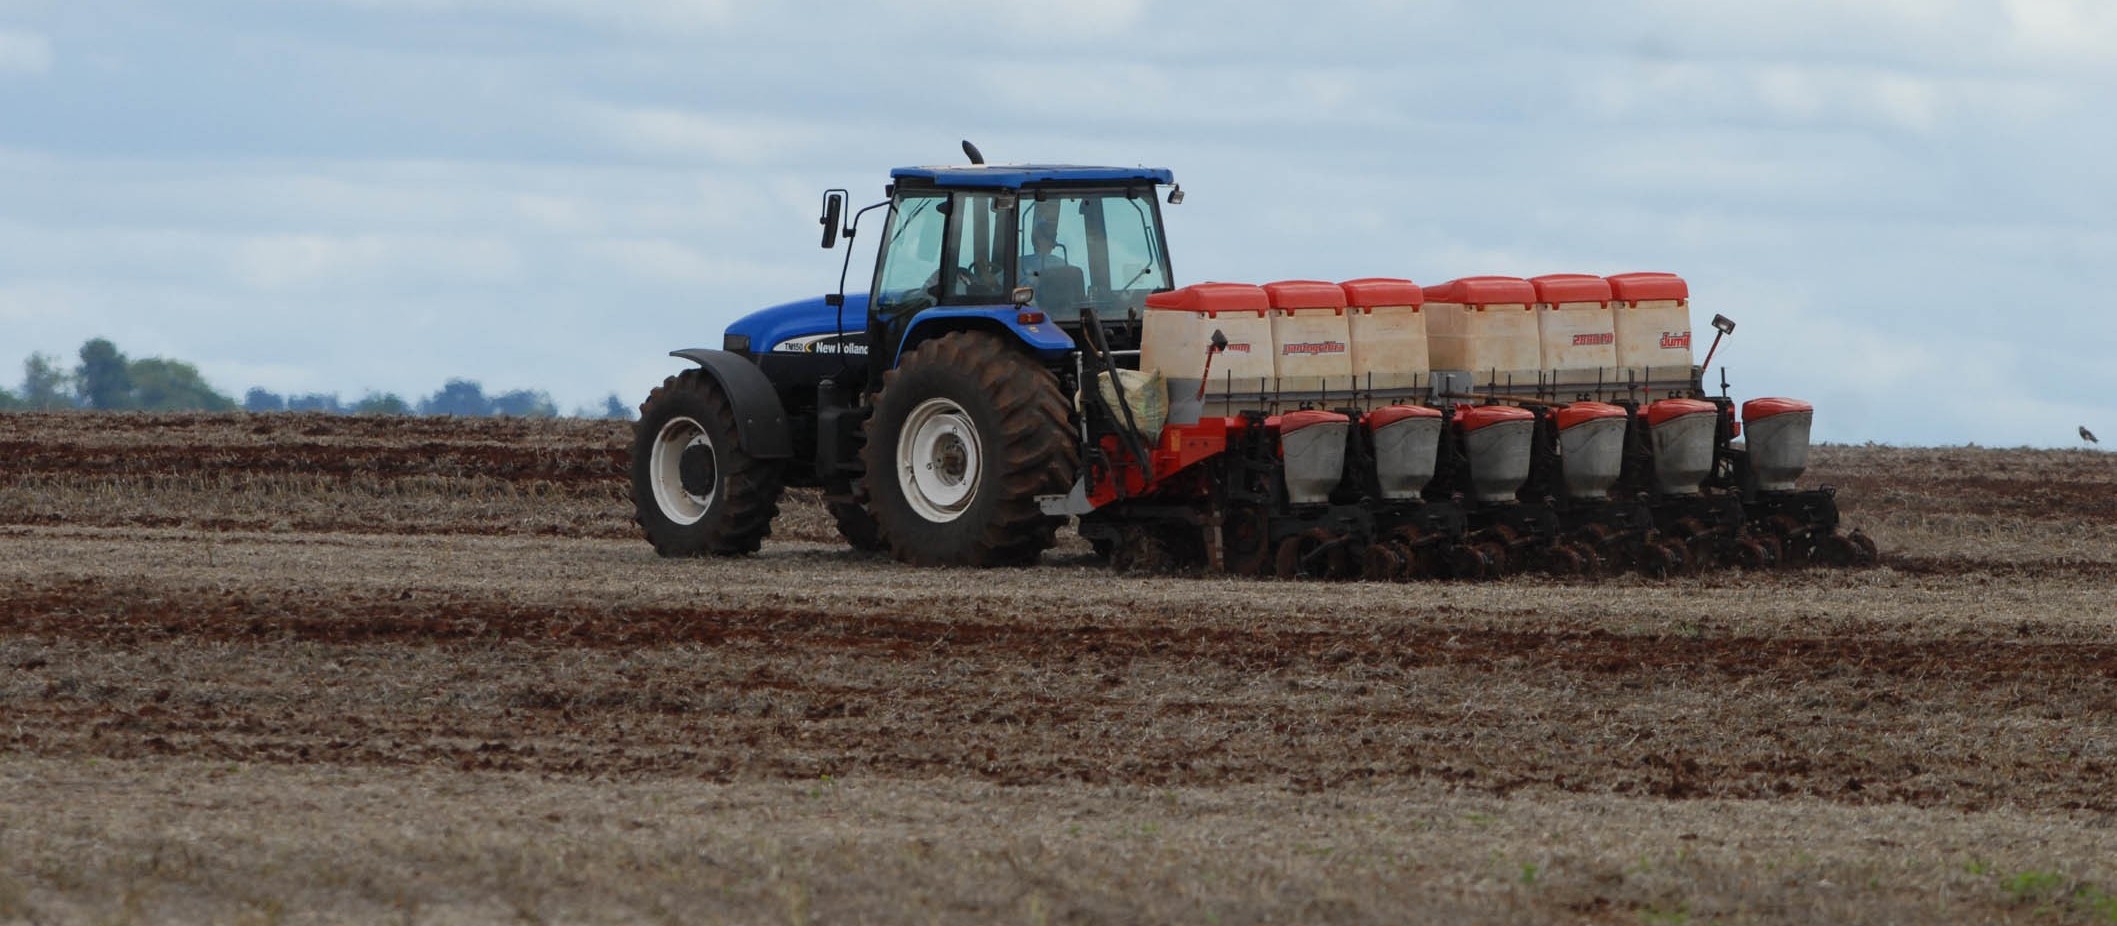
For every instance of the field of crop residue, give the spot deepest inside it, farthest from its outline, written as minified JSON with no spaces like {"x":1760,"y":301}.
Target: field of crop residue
{"x":294,"y":668}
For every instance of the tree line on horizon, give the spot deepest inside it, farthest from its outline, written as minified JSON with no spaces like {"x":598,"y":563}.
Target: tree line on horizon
{"x":106,"y":380}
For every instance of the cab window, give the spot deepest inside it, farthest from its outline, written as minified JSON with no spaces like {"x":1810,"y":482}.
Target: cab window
{"x":911,"y":254}
{"x":1096,"y":249}
{"x":982,"y":239}
{"x":1137,"y":265}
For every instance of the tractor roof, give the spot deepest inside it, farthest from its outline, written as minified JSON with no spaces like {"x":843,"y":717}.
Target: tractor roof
{"x":1017,"y":176}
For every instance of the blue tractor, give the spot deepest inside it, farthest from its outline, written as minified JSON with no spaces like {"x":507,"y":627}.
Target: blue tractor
{"x":932,"y":410}
{"x":935,"y":413}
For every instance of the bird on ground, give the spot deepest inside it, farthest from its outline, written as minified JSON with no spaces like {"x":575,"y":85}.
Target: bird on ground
{"x":2088,"y":435}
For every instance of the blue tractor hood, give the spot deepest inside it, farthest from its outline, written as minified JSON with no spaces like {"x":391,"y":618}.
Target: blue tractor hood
{"x":799,"y":326}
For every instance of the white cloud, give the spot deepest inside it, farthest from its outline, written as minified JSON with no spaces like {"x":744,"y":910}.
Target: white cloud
{"x":25,"y":52}
{"x":20,"y":306}
{"x":729,"y":138}
{"x":1795,"y":93}
{"x":633,"y":15}
{"x":1032,"y":19}
{"x":561,"y":214}
{"x":664,"y":260}
{"x":1809,"y":95}
{"x":2076,"y":30}
{"x":301,"y":262}
{"x":1882,"y":33}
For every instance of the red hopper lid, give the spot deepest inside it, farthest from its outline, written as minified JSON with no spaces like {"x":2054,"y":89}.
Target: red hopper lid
{"x":1307,"y":417}
{"x":1305,"y":294}
{"x":1384,"y":417}
{"x":1212,"y":299}
{"x":1473,"y":417}
{"x":1583,"y":412}
{"x":1642,"y":287}
{"x":1759,"y":409}
{"x":1668,"y":410}
{"x":1555,"y":288}
{"x":1369,"y":292}
{"x":1484,"y":291}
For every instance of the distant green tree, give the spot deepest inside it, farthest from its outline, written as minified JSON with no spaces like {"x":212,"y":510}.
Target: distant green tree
{"x":104,"y":376}
{"x":46,"y":386}
{"x":8,"y":402}
{"x":457,"y":397}
{"x":172,"y":385}
{"x":386,"y":403}
{"x":524,"y":403}
{"x":611,"y":407}
{"x":260,"y":400}
{"x":326,"y":402}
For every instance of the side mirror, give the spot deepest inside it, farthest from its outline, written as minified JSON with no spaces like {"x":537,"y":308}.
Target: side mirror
{"x":1024,"y":295}
{"x":833,"y":212}
{"x":1723,"y":324}
{"x":1176,"y":195}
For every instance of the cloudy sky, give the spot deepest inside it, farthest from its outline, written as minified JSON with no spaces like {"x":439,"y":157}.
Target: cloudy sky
{"x":1906,"y":204}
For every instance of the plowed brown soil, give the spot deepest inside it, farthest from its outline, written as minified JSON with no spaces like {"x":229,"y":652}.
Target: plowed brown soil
{"x":344,"y":669}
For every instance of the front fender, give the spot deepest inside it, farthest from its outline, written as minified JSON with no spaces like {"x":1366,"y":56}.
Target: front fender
{"x":1046,"y":339}
{"x":761,"y":427}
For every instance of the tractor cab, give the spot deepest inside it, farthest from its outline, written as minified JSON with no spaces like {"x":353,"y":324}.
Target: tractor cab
{"x":1033,"y":249}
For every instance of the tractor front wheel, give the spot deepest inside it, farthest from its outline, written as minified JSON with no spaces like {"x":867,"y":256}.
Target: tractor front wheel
{"x":694,"y":490}
{"x":966,"y":433}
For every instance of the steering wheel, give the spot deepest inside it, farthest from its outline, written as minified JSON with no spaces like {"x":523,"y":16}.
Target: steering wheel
{"x":964,"y":280}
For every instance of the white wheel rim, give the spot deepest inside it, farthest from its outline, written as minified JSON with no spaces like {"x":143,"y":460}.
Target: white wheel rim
{"x":940,"y":460}
{"x":666,"y":471}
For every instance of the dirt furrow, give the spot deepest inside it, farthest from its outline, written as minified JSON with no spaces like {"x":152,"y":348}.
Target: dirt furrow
{"x":108,"y":613}
{"x":128,"y":670}
{"x":434,"y":458}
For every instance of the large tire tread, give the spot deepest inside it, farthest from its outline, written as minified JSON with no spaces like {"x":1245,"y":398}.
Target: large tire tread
{"x":1037,"y":454}
{"x":741,"y":517}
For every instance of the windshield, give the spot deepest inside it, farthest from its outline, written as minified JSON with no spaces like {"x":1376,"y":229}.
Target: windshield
{"x":1094,"y":248}
{"x":910,"y":263}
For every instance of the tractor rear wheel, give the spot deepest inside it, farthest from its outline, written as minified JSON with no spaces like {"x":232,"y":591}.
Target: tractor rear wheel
{"x":694,"y":490}
{"x":966,"y":433}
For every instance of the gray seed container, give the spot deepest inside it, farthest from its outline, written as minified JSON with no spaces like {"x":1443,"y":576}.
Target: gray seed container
{"x":1683,"y":451}
{"x":1314,"y":452}
{"x":1778,"y":448}
{"x":1499,"y":458}
{"x":1591,"y":456}
{"x":1405,"y":451}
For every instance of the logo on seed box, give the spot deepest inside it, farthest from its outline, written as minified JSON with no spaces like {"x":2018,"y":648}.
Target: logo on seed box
{"x":1241,"y":348}
{"x":1593,"y":340}
{"x":1670,"y":340}
{"x":1315,"y":347}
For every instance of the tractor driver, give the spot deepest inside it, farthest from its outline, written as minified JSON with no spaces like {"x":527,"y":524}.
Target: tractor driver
{"x":1043,"y":241}
{"x":1045,"y":268}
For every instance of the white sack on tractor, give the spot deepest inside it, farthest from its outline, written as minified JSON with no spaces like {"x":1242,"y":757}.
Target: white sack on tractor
{"x":1147,"y":393}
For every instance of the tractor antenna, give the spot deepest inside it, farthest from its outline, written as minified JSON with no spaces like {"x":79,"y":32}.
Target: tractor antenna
{"x":971,"y":151}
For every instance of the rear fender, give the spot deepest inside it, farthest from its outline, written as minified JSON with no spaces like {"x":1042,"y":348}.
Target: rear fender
{"x":761,"y":427}
{"x":1045,"y":339}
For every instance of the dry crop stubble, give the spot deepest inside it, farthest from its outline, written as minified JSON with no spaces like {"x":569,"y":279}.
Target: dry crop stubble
{"x":443,"y":682}
{"x":432,"y":846}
